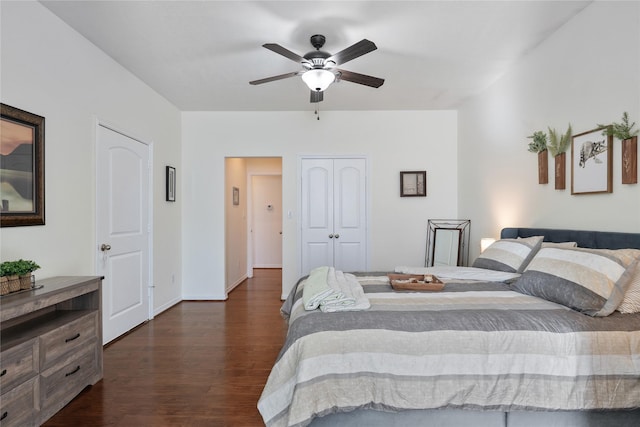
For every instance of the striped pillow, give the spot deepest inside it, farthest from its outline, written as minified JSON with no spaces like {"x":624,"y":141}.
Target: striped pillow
{"x":631,"y":301}
{"x":510,"y":255}
{"x":592,"y":281}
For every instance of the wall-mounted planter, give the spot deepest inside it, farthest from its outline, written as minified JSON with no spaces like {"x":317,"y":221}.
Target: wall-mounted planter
{"x":560,"y":171}
{"x":630,"y":161}
{"x":543,"y":167}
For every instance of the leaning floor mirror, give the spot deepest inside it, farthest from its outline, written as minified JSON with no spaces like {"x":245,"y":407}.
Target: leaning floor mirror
{"x":448,"y":242}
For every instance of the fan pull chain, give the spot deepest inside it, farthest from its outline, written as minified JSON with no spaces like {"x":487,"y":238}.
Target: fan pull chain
{"x":317,"y":112}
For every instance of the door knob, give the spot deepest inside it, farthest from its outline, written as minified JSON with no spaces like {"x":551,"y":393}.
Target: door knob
{"x":104,"y":247}
{"x":337,"y":236}
{"x":331,"y":236}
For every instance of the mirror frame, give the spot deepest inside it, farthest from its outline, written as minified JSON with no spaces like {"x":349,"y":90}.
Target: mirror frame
{"x":462,"y":225}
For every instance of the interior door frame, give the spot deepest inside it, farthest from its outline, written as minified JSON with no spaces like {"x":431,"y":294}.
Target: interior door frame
{"x":149,"y":144}
{"x":368,"y":205}
{"x":250,"y":208}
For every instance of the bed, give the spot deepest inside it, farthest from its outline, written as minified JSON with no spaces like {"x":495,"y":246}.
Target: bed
{"x":510,"y":350}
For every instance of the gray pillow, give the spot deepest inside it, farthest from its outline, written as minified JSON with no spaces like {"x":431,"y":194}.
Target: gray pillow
{"x":591,"y":281}
{"x":510,"y":255}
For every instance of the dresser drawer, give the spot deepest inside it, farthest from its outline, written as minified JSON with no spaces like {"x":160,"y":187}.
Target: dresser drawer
{"x":19,"y":405}
{"x":18,"y":363}
{"x":63,"y":381}
{"x":67,"y":338}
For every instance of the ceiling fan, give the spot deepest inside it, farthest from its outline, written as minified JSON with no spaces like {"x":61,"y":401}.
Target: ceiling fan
{"x":319,"y":67}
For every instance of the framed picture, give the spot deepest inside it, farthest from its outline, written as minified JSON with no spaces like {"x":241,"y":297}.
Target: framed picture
{"x":171,"y":184}
{"x":591,"y":162}
{"x":21,"y":167}
{"x":413,"y":184}
{"x":236,"y":196}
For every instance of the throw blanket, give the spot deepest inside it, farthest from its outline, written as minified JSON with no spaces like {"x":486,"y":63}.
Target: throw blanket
{"x":473,"y":345}
{"x":332,"y":290}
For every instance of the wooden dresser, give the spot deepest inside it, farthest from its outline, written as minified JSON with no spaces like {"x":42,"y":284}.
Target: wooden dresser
{"x":50,"y":347}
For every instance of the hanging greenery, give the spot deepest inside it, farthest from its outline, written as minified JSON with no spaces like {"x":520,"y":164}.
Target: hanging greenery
{"x":622,"y":130}
{"x":559,"y":143}
{"x":539,"y":143}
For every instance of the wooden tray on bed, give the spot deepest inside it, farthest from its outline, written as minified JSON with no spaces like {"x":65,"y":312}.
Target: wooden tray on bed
{"x":415,"y":282}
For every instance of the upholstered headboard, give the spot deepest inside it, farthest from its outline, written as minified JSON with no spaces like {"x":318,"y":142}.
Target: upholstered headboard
{"x":584,"y":238}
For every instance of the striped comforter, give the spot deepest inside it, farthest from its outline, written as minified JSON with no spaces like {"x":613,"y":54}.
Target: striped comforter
{"x":471,"y":346}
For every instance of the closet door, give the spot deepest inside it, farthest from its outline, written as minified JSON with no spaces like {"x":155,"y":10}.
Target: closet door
{"x":349,"y":214}
{"x":334,"y":214}
{"x":317,"y":213}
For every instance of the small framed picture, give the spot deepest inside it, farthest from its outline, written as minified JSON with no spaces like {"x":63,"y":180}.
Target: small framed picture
{"x":413,"y":184}
{"x":171,"y":184}
{"x":236,"y":196}
{"x":591,"y":162}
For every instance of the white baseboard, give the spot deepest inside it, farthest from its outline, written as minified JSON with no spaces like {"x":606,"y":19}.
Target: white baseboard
{"x":236,"y":283}
{"x":166,"y":306}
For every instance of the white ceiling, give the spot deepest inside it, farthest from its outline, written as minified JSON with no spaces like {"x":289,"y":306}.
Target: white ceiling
{"x":200,"y":55}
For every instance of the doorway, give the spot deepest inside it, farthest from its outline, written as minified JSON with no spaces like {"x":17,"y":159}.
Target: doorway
{"x":253,"y":197}
{"x":265,"y":244}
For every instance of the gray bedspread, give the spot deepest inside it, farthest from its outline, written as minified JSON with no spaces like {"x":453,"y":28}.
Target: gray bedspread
{"x":470,"y":346}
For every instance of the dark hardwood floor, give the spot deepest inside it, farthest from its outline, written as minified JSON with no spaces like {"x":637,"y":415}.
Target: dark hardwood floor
{"x":196,"y":364}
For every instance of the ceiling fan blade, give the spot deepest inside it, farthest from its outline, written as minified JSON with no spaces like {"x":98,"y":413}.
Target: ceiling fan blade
{"x":353,"y":51}
{"x":274,"y":78}
{"x":362,"y":79}
{"x":285,"y":52}
{"x":317,"y":96}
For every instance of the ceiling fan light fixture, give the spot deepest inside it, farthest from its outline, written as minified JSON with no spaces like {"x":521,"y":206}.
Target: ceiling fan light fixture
{"x":318,"y":79}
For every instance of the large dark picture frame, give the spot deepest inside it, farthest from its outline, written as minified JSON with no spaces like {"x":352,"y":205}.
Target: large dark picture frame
{"x":21,"y":167}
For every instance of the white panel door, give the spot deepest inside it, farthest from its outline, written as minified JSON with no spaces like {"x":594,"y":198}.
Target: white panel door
{"x":317,"y":213}
{"x":333,"y":214}
{"x":350,"y":228}
{"x":266,"y":205}
{"x":122,"y":230}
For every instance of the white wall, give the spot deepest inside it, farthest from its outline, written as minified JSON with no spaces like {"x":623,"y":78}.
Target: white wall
{"x":587,"y":73}
{"x":393,"y":140}
{"x":50,"y":70}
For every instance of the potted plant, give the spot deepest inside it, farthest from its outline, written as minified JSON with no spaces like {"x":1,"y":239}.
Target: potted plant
{"x":539,"y":145}
{"x":558,"y":146}
{"x":629,"y":138}
{"x":4,"y":280}
{"x":10,"y":271}
{"x":18,"y":273}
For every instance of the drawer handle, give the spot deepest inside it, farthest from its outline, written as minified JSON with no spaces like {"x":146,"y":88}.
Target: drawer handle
{"x":73,"y":372}
{"x":73,"y":338}
{"x":4,"y":415}
{"x":3,"y":373}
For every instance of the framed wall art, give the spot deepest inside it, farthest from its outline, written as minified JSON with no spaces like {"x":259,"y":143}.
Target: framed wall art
{"x":413,"y":184}
{"x":21,"y":167}
{"x":171,"y":184}
{"x":236,"y":196}
{"x":591,"y":162}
